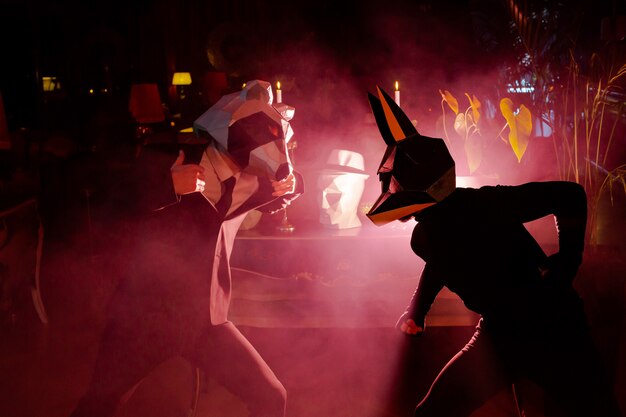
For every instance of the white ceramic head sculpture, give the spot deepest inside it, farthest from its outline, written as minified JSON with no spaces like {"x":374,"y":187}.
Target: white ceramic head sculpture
{"x":340,"y":186}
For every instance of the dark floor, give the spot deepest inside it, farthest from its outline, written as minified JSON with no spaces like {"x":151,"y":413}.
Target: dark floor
{"x":344,"y":359}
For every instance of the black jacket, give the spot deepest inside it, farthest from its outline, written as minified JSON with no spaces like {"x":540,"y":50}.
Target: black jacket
{"x":176,"y":249}
{"x":474,"y":242}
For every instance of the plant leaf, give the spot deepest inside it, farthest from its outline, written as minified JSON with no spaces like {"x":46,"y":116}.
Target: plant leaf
{"x":474,"y":152}
{"x":475,"y":105}
{"x":506,"y":107}
{"x":520,"y":126}
{"x":524,"y":121}
{"x":460,"y":124}
{"x":452,"y":102}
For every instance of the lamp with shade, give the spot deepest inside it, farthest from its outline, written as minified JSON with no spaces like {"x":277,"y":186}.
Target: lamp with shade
{"x":181,"y":79}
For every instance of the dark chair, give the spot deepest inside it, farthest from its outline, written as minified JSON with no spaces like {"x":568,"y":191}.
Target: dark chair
{"x":147,"y":110}
{"x":21,"y":242}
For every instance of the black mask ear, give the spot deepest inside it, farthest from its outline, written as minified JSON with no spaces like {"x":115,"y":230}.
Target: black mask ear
{"x":397,"y":121}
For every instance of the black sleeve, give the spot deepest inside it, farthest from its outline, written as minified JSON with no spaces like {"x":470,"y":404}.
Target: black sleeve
{"x":427,"y":289}
{"x":145,"y":185}
{"x":152,"y":186}
{"x":566,"y":201}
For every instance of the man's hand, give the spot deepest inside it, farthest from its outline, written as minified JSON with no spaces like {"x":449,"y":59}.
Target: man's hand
{"x":187,"y":178}
{"x":284,"y":186}
{"x":408,"y":326}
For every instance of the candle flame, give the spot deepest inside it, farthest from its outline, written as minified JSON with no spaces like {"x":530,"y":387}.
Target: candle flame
{"x":278,"y":85}
{"x":397,"y":86}
{"x":243,"y":86}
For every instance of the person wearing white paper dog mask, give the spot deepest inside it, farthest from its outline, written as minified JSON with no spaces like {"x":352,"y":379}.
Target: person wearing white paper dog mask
{"x":187,"y":202}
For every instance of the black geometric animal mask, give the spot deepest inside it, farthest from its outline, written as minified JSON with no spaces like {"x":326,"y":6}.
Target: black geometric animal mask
{"x":416,"y":171}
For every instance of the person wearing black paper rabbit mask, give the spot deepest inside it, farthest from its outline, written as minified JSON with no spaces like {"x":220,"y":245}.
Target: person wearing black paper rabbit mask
{"x":187,"y":203}
{"x":474,"y":242}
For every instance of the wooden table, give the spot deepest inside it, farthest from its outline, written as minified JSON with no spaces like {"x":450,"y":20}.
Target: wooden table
{"x":316,"y":277}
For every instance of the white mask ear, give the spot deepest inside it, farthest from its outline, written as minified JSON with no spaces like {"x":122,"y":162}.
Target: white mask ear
{"x":257,"y":90}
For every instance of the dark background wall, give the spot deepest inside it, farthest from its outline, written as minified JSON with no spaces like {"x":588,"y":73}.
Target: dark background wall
{"x":115,"y":43}
{"x":327,"y":54}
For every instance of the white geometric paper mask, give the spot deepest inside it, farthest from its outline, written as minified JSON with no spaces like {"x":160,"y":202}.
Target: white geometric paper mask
{"x":340,"y":186}
{"x":251,"y":130}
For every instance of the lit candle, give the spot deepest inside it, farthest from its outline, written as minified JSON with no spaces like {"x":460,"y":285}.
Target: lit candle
{"x":397,"y":94}
{"x":279,"y":93}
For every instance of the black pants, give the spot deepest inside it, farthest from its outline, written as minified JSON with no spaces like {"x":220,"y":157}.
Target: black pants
{"x":221,"y":351}
{"x":563,"y":361}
